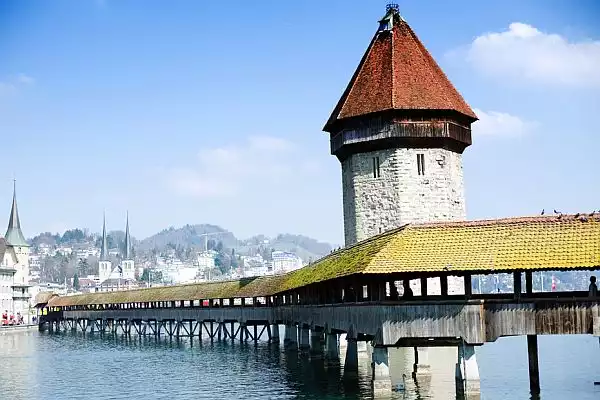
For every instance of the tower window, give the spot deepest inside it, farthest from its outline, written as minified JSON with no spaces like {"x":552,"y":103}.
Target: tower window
{"x":376,"y":172}
{"x":421,"y":164}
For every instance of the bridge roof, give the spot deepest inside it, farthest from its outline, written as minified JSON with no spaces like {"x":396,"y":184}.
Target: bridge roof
{"x":43,"y":297}
{"x":248,"y":287}
{"x":502,"y":245}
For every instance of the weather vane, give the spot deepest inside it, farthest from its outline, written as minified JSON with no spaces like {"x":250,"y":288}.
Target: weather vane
{"x":391,"y":6}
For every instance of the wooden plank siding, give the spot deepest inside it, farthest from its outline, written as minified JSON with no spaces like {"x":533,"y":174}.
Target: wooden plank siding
{"x":474,"y":321}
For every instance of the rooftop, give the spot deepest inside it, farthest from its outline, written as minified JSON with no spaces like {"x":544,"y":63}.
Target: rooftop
{"x":502,"y":245}
{"x":397,"y":73}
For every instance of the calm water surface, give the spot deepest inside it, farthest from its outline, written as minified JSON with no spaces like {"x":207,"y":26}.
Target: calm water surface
{"x":71,"y":366}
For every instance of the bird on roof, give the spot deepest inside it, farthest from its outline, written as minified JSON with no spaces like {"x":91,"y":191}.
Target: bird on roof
{"x":543,"y":211}
{"x":557,"y":212}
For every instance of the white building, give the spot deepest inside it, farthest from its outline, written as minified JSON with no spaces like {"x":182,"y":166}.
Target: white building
{"x":125,"y":270}
{"x":64,"y":250}
{"x":104,"y":264}
{"x":128,"y":265}
{"x":35,"y":261}
{"x":284,"y":261}
{"x":252,"y":261}
{"x":46,"y":250}
{"x":14,"y":267}
{"x":206,"y":260}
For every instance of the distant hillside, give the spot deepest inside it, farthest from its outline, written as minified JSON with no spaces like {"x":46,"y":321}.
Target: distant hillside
{"x":193,"y":237}
{"x":305,"y":247}
{"x":188,"y":236}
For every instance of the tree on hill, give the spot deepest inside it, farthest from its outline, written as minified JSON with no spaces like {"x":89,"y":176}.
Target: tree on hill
{"x":73,"y":236}
{"x":76,"y":281}
{"x":84,"y":267}
{"x":234,"y":260}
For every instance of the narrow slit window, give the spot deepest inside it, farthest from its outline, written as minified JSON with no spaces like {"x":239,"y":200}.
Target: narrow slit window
{"x":376,"y":171}
{"x":421,"y":164}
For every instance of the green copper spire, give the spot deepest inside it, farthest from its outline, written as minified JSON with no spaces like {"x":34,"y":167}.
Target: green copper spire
{"x":104,"y":248}
{"x":14,"y":235}
{"x":127,"y":254}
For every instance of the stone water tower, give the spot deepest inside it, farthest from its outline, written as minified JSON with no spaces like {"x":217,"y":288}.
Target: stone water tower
{"x":399,"y":131}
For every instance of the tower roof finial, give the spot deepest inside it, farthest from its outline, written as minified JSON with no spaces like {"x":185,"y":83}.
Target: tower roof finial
{"x":392,"y":7}
{"x":14,"y":235}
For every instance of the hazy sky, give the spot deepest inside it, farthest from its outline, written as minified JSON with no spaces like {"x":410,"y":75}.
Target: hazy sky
{"x":211,"y":111}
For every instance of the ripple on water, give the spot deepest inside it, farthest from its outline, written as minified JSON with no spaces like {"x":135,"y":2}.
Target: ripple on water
{"x":73,"y":366}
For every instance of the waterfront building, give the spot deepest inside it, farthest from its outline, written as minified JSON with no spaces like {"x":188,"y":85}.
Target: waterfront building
{"x":399,"y":131}
{"x":14,"y":266}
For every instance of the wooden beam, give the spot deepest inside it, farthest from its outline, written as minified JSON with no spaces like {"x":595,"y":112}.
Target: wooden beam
{"x":468,"y":285}
{"x":517,"y":284}
{"x":528,"y":282}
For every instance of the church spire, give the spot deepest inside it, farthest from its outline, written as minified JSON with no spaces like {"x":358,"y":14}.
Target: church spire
{"x":104,"y":248}
{"x":14,"y":235}
{"x":127,"y":253}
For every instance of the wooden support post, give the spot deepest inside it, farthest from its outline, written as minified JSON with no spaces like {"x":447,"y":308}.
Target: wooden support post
{"x":269,"y":332}
{"x":242,"y":332}
{"x":528,"y":282}
{"x":444,"y":285}
{"x":468,"y":285}
{"x":534,"y":369}
{"x":423,"y":286}
{"x":275,"y":334}
{"x":517,"y":284}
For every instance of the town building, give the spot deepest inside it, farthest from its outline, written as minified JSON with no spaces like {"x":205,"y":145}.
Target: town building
{"x":127,"y":264}
{"x":283,"y":261}
{"x":14,"y":266}
{"x":126,"y":268}
{"x":104,"y":264}
{"x":399,"y":131}
{"x":206,"y":260}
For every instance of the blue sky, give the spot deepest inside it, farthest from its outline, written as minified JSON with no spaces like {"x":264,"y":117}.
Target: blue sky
{"x":208,"y":111}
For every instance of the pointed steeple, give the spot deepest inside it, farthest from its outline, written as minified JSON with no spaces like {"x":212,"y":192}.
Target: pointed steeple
{"x":127,"y":253}
{"x":104,"y":248}
{"x":397,"y":75}
{"x":14,"y":235}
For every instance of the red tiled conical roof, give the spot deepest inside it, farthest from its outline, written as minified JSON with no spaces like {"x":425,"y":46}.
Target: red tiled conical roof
{"x":397,"y":73}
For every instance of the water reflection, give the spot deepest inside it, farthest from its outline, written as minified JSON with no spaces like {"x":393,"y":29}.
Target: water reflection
{"x":74,"y":366}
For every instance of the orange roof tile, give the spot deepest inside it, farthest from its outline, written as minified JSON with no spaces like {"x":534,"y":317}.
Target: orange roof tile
{"x":397,"y":73}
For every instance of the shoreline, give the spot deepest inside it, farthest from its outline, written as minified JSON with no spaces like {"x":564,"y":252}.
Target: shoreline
{"x":18,"y":328}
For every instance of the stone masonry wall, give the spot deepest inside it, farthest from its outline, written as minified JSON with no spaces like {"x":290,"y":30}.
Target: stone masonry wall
{"x":400,"y":195}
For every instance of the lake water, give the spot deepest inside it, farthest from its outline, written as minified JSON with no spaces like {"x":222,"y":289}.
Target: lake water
{"x":72,"y":366}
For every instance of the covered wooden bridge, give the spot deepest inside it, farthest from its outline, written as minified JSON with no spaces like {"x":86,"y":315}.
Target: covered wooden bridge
{"x":363,"y":291}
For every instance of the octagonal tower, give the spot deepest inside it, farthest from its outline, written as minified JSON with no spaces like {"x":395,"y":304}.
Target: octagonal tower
{"x":399,"y":131}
